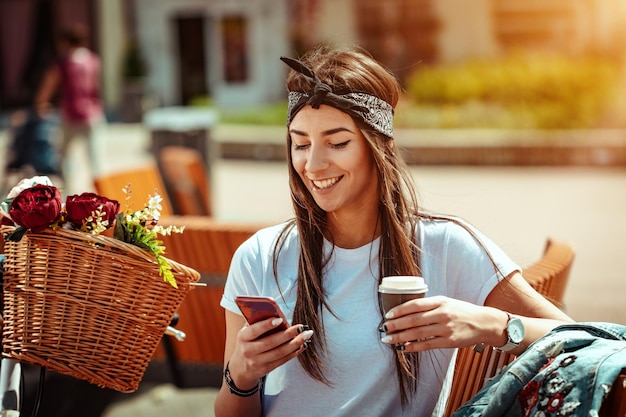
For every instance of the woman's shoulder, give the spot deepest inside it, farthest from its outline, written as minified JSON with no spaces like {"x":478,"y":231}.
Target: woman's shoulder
{"x":456,"y":235}
{"x":450,"y":231}
{"x":442,"y":224}
{"x":286,"y":229}
{"x":265,"y":238}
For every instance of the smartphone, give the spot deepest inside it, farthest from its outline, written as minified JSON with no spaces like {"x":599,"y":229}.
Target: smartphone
{"x":257,"y":308}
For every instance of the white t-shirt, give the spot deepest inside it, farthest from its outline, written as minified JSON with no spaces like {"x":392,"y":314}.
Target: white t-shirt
{"x":360,"y":367}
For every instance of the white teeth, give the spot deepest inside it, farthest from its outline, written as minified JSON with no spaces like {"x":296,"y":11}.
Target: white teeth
{"x":325,"y":183}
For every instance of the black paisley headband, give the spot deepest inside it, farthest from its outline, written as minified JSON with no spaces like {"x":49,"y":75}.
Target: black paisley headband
{"x":370,"y":109}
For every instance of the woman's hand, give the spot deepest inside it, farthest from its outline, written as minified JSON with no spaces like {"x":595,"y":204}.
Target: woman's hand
{"x":442,"y":322}
{"x":255,"y":356}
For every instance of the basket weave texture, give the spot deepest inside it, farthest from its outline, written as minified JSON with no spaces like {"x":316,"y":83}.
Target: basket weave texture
{"x":91,"y":307}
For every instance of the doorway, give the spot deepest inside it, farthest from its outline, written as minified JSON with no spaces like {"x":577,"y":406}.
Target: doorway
{"x":191,"y":58}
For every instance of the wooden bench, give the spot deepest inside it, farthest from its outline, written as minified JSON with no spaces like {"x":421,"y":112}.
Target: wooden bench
{"x":186,"y":179}
{"x":615,"y":403}
{"x":143,"y":181}
{"x":549,"y":276}
{"x":180,"y":178}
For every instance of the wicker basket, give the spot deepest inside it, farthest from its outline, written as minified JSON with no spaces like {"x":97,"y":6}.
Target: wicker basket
{"x":91,"y":307}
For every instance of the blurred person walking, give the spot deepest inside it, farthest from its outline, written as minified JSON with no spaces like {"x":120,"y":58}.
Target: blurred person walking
{"x":75,"y":75}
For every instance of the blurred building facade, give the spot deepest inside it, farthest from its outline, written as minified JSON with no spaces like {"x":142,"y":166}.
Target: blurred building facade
{"x":179,"y":51}
{"x":225,"y":49}
{"x":407,"y":33}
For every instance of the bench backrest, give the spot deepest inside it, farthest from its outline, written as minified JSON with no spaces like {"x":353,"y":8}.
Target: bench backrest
{"x":143,"y":181}
{"x":549,"y":277}
{"x":186,"y":179}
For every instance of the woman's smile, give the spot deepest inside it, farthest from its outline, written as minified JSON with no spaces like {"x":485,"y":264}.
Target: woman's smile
{"x":323,"y":185}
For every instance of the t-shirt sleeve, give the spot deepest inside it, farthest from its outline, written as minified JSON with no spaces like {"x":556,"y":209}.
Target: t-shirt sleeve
{"x":462,"y":262}
{"x":240,"y":279}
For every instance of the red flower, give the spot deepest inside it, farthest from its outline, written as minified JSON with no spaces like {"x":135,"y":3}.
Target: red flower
{"x":80,"y":207}
{"x":555,"y":402}
{"x":36,"y":208}
{"x":529,"y":396}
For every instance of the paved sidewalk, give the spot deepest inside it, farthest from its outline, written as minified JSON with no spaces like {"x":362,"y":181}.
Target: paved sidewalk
{"x":165,"y":400}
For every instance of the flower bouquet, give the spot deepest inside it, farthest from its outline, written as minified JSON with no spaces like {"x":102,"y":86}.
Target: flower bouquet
{"x":78,"y":300}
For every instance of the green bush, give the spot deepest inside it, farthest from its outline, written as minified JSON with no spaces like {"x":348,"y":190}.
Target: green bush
{"x":515,"y":92}
{"x":518,"y":92}
{"x":270,"y":114}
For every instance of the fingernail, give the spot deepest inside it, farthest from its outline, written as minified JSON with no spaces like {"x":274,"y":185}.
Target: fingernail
{"x":389,"y":315}
{"x":400,"y":347}
{"x":306,"y":344}
{"x":306,"y":335}
{"x":385,"y":339}
{"x":277,"y":321}
{"x":302,"y":328}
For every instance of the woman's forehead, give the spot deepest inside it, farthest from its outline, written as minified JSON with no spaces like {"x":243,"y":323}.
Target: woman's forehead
{"x":323,"y":117}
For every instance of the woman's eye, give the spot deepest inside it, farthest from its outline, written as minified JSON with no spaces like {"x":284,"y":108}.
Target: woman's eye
{"x":297,"y":147}
{"x":341,"y":145}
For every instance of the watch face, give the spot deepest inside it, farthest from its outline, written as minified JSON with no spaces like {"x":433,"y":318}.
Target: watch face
{"x":516,"y":330}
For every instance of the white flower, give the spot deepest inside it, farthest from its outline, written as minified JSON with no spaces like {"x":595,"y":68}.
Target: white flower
{"x":167,"y":231}
{"x":28,"y":183}
{"x":154,"y":206}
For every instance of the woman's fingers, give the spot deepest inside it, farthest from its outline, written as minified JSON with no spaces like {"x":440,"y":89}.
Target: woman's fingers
{"x":264,"y":352}
{"x":261,"y":329}
{"x":418,"y":305}
{"x":438,"y":322}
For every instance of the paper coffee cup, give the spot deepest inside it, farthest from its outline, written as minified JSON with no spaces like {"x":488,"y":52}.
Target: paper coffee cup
{"x":396,"y":290}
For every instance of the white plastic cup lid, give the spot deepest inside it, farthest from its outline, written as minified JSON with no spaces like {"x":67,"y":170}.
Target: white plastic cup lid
{"x":403,"y":284}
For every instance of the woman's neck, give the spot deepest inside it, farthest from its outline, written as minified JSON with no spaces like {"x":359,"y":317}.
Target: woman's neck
{"x":350,"y":232}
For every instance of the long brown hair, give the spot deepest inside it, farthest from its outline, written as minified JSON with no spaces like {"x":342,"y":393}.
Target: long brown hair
{"x":352,"y":70}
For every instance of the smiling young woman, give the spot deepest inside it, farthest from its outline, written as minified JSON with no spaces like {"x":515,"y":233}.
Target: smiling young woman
{"x":333,"y":160}
{"x":356,"y":221}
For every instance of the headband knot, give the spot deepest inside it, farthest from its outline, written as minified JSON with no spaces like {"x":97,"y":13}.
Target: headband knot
{"x":320,"y":91}
{"x":370,"y":109}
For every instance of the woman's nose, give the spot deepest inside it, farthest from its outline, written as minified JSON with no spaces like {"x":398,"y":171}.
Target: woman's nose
{"x":316,"y":159}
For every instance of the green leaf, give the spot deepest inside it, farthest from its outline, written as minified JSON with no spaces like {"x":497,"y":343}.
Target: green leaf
{"x":166,"y":271}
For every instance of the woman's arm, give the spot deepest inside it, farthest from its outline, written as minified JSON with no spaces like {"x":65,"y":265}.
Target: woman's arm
{"x":49,"y":84}
{"x":515,"y":295}
{"x":249,"y":358}
{"x":443,"y":322}
{"x":227,"y":404}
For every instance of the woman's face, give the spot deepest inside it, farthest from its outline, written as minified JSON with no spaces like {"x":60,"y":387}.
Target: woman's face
{"x":333,"y":159}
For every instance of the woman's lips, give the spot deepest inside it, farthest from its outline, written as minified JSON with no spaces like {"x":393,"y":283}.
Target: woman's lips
{"x":325,"y":183}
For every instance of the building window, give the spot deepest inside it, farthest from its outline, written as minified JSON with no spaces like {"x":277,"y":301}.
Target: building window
{"x":235,"y":49}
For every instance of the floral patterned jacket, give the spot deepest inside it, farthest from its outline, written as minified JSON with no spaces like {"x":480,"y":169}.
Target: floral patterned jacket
{"x":568,"y":372}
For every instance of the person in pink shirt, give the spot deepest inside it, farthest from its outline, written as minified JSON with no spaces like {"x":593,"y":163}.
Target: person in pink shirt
{"x":75,"y":75}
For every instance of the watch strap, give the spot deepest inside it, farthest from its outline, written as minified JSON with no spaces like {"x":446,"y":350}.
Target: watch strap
{"x":510,"y":344}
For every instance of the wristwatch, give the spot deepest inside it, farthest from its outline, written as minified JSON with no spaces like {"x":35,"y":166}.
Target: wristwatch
{"x":514,"y":333}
